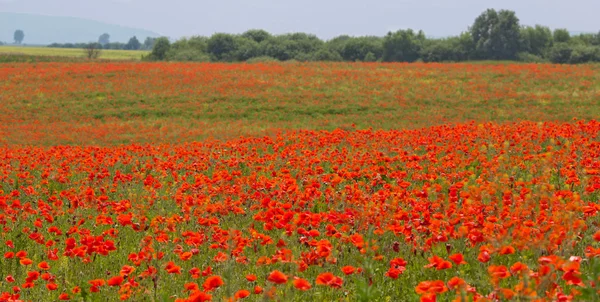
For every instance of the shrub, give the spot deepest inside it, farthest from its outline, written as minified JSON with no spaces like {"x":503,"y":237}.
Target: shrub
{"x":584,"y":54}
{"x":188,"y":55}
{"x":530,"y":58}
{"x":560,"y":53}
{"x":327,"y":55}
{"x":262,"y":59}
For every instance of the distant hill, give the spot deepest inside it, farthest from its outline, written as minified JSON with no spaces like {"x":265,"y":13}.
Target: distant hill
{"x":44,"y":30}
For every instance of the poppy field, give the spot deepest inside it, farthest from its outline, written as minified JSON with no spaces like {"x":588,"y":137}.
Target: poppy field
{"x":48,"y":104}
{"x":299,"y":182}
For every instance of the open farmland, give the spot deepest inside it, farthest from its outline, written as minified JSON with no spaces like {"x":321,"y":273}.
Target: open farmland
{"x":113,"y":103}
{"x":106,"y":54}
{"x":299,"y":182}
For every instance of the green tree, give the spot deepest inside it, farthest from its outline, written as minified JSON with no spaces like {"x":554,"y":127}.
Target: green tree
{"x":104,"y":39}
{"x":325,"y":54}
{"x":19,"y":36}
{"x":357,"y":49}
{"x":221,"y":46}
{"x":402,"y":46}
{"x":275,"y":48}
{"x":560,"y":53}
{"x":561,"y":35}
{"x":245,"y":49}
{"x":192,"y":49}
{"x":258,"y":35}
{"x":133,"y":44}
{"x":370,"y":57}
{"x":149,"y":43}
{"x":337,"y":44}
{"x":584,"y":54}
{"x":291,"y":46}
{"x":198,"y":42}
{"x":444,"y":50}
{"x":496,"y":35}
{"x":536,"y":40}
{"x":160,"y":49}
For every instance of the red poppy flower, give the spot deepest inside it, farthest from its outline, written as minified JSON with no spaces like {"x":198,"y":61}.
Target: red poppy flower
{"x":32,"y":276}
{"x":277,"y":277}
{"x":329,"y":279}
{"x":199,"y":296}
{"x":301,"y":284}
{"x":185,"y":256}
{"x":348,"y":270}
{"x":394,"y":273}
{"x":207,"y":272}
{"x":115,"y":281}
{"x":241,"y":294}
{"x":126,"y":270}
{"x":97,"y":282}
{"x":431,"y":287}
{"x":456,"y":283}
{"x":191,"y":286}
{"x":518,"y":267}
{"x":195,"y":273}
{"x":43,"y":265}
{"x":428,"y":297}
{"x":507,"y":250}
{"x":212,"y":282}
{"x":458,"y":259}
{"x":498,"y":272}
{"x":172,"y":268}
{"x":484,"y":257}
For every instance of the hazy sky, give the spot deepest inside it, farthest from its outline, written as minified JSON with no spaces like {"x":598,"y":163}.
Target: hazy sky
{"x":325,"y":18}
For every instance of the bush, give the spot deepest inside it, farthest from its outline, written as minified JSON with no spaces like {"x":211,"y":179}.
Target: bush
{"x":584,"y":54}
{"x":262,"y":59}
{"x":563,"y":53}
{"x":530,"y":58}
{"x":560,"y":53}
{"x":370,"y":57}
{"x":159,"y":52}
{"x":244,"y":49}
{"x":439,"y":51}
{"x":221,"y":47}
{"x":188,"y":55}
{"x":303,"y":57}
{"x":327,"y":55}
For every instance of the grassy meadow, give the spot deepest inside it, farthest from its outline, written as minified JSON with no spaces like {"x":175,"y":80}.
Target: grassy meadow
{"x":299,"y":182}
{"x":106,"y":54}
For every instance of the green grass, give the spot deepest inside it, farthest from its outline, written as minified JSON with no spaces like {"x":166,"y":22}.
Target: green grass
{"x":108,"y":54}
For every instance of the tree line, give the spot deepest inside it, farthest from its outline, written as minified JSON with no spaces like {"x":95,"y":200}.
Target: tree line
{"x":494,"y":35}
{"x":105,"y":43}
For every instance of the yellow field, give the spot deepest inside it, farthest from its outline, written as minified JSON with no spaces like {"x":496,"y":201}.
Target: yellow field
{"x":72,"y":52}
